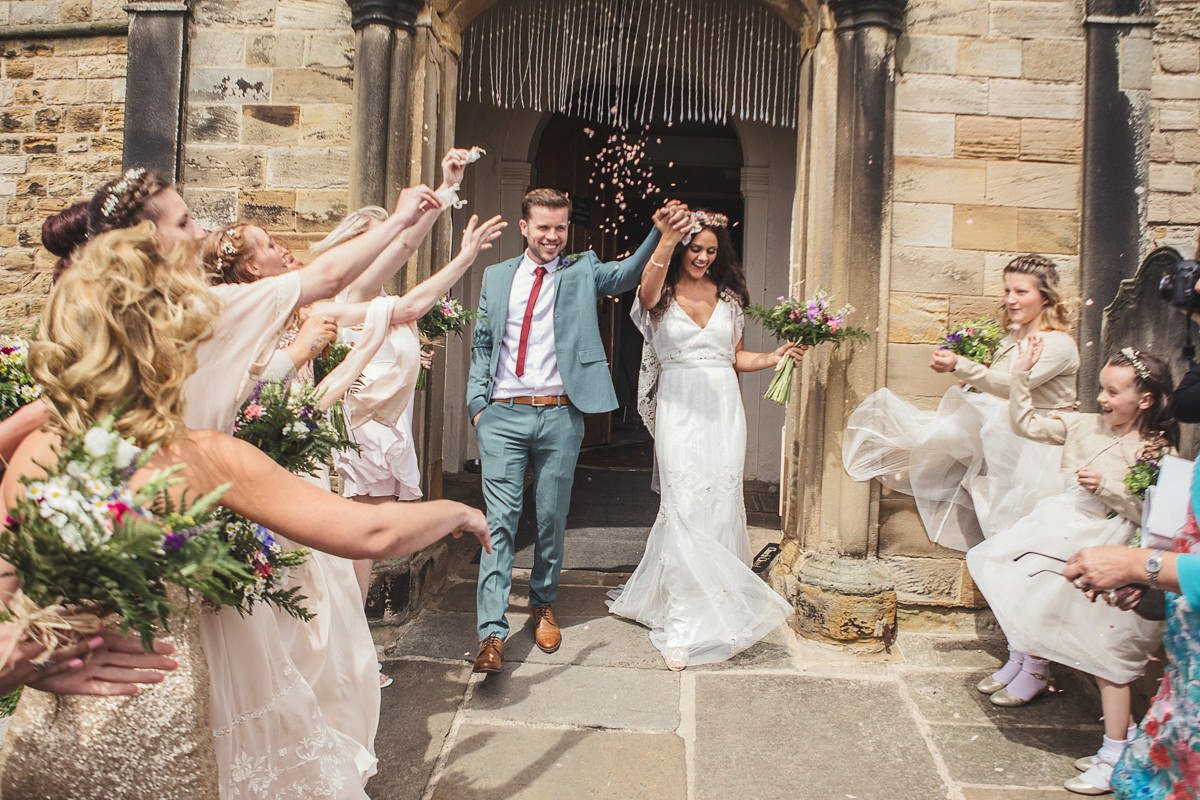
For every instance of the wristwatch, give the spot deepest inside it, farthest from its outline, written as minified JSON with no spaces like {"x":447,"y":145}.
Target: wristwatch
{"x":1153,"y":567}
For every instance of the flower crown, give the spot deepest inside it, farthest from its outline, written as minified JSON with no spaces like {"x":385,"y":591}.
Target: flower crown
{"x":1136,"y":362}
{"x":702,"y":220}
{"x":119,"y":188}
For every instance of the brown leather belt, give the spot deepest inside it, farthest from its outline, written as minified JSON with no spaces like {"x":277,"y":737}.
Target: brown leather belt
{"x":536,"y":400}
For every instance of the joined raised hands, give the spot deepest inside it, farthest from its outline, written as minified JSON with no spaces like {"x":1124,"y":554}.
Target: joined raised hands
{"x":477,"y":236}
{"x":1029,"y":350}
{"x":415,"y":201}
{"x":673,"y":221}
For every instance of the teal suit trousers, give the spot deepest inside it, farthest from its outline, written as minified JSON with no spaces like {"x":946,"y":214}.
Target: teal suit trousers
{"x":510,"y":438}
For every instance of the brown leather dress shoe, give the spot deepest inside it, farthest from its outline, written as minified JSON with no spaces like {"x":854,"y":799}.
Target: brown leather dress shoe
{"x":545,"y":631}
{"x":491,"y":655}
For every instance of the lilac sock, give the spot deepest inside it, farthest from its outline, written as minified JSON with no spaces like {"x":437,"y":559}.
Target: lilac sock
{"x":1011,"y":667}
{"x":1026,"y":685}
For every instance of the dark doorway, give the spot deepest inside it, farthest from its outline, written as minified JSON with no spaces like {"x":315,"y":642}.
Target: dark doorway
{"x":616,"y":179}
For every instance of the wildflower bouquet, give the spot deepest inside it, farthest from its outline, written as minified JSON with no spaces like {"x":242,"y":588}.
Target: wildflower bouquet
{"x":329,"y":359}
{"x":976,"y":339}
{"x":16,"y":384}
{"x":87,"y":546}
{"x":446,"y":316}
{"x":805,"y":322}
{"x":254,"y":546}
{"x":284,"y":421}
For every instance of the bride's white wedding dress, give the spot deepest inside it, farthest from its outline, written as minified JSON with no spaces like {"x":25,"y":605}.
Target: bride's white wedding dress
{"x":694,"y":588}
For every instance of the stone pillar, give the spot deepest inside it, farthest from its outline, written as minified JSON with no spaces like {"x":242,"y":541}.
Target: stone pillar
{"x":828,"y":568}
{"x":1120,"y":63}
{"x":382,"y":62}
{"x":154,"y":85}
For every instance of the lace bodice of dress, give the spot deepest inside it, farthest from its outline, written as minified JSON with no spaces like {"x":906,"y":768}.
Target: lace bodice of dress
{"x":677,"y":339}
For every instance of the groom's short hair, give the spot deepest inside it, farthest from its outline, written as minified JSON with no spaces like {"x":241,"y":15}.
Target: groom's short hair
{"x":546,"y":198}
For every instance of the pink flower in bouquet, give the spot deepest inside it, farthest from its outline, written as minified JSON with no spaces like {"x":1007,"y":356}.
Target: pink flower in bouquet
{"x":118,"y":510}
{"x":254,"y":411}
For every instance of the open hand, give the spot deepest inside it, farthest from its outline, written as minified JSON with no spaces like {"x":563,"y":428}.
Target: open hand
{"x":943,"y":360}
{"x":477,"y":237}
{"x":1029,"y":350}
{"x":415,"y":201}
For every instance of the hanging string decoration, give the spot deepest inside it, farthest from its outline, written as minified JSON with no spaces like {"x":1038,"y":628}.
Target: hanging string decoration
{"x":627,"y":62}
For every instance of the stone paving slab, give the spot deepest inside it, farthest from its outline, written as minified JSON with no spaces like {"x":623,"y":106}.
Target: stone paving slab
{"x":509,"y":763}
{"x":416,"y":714}
{"x":952,"y":697}
{"x":1011,"y":793}
{"x":966,"y":652}
{"x":784,"y":737}
{"x":1030,"y":757}
{"x":573,"y":601}
{"x":573,"y":695}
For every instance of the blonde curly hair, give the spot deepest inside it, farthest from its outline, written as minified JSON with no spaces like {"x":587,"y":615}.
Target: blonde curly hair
{"x":119,"y":335}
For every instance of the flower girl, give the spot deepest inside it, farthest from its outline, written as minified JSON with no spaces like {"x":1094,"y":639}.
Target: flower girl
{"x":1044,"y":617}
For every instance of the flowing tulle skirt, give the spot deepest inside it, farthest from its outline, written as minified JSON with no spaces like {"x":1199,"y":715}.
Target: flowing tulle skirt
{"x":1045,"y":615}
{"x":693,"y":587}
{"x":969,"y":472}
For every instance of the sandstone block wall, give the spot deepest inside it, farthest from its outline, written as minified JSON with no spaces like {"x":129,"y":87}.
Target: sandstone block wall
{"x":1173,"y":205}
{"x":62,"y":104}
{"x":269,"y":110}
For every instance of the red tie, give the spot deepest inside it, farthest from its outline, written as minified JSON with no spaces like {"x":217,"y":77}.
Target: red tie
{"x":527,"y":321}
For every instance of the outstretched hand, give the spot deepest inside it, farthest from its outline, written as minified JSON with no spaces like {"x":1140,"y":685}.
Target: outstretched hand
{"x":1029,"y":350}
{"x":415,"y":201}
{"x":477,"y":237}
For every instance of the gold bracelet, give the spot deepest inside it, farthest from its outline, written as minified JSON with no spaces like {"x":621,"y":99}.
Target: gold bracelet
{"x":654,"y":263}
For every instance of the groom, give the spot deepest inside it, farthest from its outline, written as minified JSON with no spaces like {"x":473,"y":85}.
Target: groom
{"x":537,"y":366}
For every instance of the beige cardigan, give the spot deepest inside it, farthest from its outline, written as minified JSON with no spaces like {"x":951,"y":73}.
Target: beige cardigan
{"x":1052,"y":379}
{"x":1087,"y":442}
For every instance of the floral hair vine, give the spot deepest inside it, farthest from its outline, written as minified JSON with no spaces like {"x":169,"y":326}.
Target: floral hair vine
{"x":119,"y":188}
{"x":1135,"y":360}
{"x":226,"y":249}
{"x":703,"y":219}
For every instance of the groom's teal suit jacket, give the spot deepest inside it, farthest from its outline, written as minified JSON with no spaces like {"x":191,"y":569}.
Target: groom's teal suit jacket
{"x":577,"y":344}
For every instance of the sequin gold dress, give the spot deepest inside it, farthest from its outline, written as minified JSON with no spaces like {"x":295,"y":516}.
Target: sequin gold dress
{"x":155,"y":744}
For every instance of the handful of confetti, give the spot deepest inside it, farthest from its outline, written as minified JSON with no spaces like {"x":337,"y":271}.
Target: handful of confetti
{"x":449,"y":195}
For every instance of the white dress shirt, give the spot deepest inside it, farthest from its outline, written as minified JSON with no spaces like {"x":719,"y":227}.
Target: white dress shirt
{"x":541,"y":364}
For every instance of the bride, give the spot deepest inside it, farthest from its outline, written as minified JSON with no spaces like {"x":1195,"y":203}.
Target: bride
{"x":693,"y":587}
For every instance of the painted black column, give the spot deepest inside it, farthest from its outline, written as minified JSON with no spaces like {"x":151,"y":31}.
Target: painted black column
{"x":154,"y":84}
{"x":1115,"y":136}
{"x":383,"y":47}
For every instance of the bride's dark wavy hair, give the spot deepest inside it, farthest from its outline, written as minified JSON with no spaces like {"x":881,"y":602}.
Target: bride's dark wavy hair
{"x":725,"y":271}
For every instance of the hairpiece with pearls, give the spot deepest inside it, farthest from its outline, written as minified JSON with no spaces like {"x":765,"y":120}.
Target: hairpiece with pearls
{"x":119,"y":188}
{"x":1136,"y":362}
